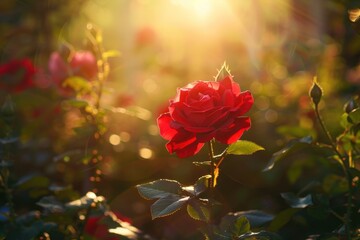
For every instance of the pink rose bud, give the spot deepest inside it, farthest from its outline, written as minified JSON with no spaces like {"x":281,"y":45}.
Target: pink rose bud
{"x":84,"y":64}
{"x":58,"y":68}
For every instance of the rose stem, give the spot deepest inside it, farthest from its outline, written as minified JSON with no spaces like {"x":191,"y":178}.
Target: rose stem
{"x":345,"y":169}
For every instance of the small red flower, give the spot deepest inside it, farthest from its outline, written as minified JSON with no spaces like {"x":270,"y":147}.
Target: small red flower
{"x":81,"y":63}
{"x":124,"y":100}
{"x":17,"y":75}
{"x":95,"y":228}
{"x":202,"y":111}
{"x":58,"y":68}
{"x":145,"y":36}
{"x":84,"y":64}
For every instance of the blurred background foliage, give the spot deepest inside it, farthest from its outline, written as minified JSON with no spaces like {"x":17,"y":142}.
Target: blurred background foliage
{"x":274,"y":49}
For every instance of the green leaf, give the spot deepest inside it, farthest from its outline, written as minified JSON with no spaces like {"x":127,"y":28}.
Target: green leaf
{"x":77,"y":103}
{"x":204,"y":163}
{"x":334,"y":184}
{"x":8,"y":140}
{"x":38,"y":192}
{"x":295,"y":201}
{"x":263,"y":235}
{"x":124,"y":232}
{"x":77,"y":83}
{"x":242,"y":147}
{"x":234,"y":226}
{"x":159,"y":188}
{"x":354,"y":116}
{"x":51,"y":204}
{"x":32,"y":181}
{"x":167,"y":205}
{"x":344,"y":121}
{"x":293,"y":145}
{"x":202,"y":184}
{"x":189,"y":189}
{"x":282,"y":218}
{"x":83,"y":202}
{"x":111,"y":53}
{"x":241,"y":226}
{"x":256,"y":218}
{"x":198,"y":211}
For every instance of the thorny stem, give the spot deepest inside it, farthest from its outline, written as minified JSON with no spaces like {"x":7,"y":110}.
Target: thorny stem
{"x":103,"y":67}
{"x":95,"y":37}
{"x":212,"y":163}
{"x":326,"y":131}
{"x":212,"y":181}
{"x":221,"y":157}
{"x":346,"y":167}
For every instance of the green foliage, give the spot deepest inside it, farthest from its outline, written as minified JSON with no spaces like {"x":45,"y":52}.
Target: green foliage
{"x":198,"y":210}
{"x":295,"y":201}
{"x":202,"y":184}
{"x":354,"y":116}
{"x":282,"y":218}
{"x":159,"y":189}
{"x":243,"y":147}
{"x":31,"y":181}
{"x":257,"y":218}
{"x":79,"y":84}
{"x":294,"y":145}
{"x":237,"y":226}
{"x":172,"y":196}
{"x":167,"y":205}
{"x":262,"y":235}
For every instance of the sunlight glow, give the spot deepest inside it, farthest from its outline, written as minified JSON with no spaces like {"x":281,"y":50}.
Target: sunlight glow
{"x":199,"y":8}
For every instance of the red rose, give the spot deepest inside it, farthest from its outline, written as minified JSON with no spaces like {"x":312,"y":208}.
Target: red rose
{"x":17,"y":75}
{"x":84,"y":64}
{"x":202,"y":111}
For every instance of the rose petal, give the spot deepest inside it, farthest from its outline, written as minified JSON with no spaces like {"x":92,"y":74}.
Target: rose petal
{"x":183,"y":143}
{"x":228,"y":98}
{"x":228,"y":83}
{"x":243,"y":103}
{"x":164,"y":123}
{"x":233,"y":132}
{"x":189,"y":150}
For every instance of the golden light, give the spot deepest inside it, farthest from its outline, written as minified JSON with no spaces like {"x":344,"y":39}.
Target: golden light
{"x":199,"y":8}
{"x":146,"y":153}
{"x":114,"y":139}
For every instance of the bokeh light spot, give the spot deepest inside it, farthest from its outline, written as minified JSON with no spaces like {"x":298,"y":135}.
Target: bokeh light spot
{"x":153,"y":130}
{"x":146,"y":153}
{"x":114,"y":139}
{"x":271,"y":116}
{"x":125,"y":136}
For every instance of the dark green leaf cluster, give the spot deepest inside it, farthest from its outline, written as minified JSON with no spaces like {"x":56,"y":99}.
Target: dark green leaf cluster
{"x":325,"y":175}
{"x":171,"y":196}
